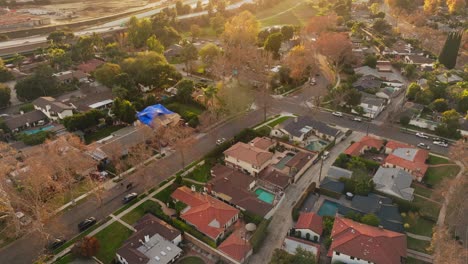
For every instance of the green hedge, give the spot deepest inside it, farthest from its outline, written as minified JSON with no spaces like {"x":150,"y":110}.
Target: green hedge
{"x":330,"y":193}
{"x":189,"y":229}
{"x":250,"y":217}
{"x":34,"y":139}
{"x":259,"y":236}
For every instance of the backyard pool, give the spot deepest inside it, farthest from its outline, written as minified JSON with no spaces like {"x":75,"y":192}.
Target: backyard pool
{"x":280,"y":165}
{"x":37,"y":130}
{"x":328,"y":208}
{"x":317,"y":145}
{"x":265,"y":196}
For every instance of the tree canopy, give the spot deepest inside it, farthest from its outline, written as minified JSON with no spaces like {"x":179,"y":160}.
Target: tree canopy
{"x":41,"y":83}
{"x":4,"y":95}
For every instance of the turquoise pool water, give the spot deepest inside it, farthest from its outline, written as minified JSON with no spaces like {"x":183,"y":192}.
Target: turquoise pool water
{"x":328,"y":208}
{"x":317,"y":145}
{"x":280,"y":165}
{"x":265,"y":196}
{"x":34,"y":131}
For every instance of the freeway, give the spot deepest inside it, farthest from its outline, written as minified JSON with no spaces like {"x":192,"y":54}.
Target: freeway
{"x":30,"y":246}
{"x":7,"y":47}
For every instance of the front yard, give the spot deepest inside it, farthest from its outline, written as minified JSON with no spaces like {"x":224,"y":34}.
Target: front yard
{"x":436,"y":160}
{"x":110,"y":239}
{"x":200,"y":173}
{"x":146,"y":207}
{"x":435,"y":175}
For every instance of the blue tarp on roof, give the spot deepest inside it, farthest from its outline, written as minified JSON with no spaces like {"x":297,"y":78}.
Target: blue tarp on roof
{"x":149,"y":113}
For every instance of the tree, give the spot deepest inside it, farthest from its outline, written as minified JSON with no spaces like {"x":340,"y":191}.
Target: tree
{"x":107,"y":73}
{"x":113,"y":51}
{"x":413,"y":89}
{"x":163,"y":29}
{"x":124,"y":110}
{"x":195,"y":31}
{"x":381,"y":25}
{"x":241,"y":30}
{"x":58,"y":37}
{"x":139,"y":30}
{"x":17,"y":60}
{"x":185,"y":89}
{"x":217,"y":23}
{"x":82,"y":121}
{"x":301,"y":256}
{"x":463,"y":101}
{"x":430,"y":6}
{"x":353,"y":97}
{"x":59,"y":58}
{"x":374,"y":8}
{"x":273,"y":43}
{"x":449,"y":53}
{"x":410,"y":70}
{"x":41,"y":83}
{"x":86,"y":46}
{"x":370,"y":60}
{"x":336,"y":47}
{"x":287,"y":31}
{"x":153,"y":44}
{"x":450,"y":124}
{"x":456,"y":6}
{"x":5,"y":74}
{"x":4,"y":95}
{"x":424,"y":97}
{"x":370,"y":219}
{"x":188,"y":54}
{"x":86,"y":247}
{"x":320,"y":24}
{"x":301,"y":60}
{"x":440,"y":105}
{"x":404,"y":120}
{"x":209,"y":53}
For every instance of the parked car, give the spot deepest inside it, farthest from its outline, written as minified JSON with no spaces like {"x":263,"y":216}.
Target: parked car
{"x":423,"y":146}
{"x":325,"y":155}
{"x":87,"y":223}
{"x":421,"y":135}
{"x":358,"y":119}
{"x":441,"y":143}
{"x":129,"y":197}
{"x":56,"y":243}
{"x":220,"y":141}
{"x":338,"y":114}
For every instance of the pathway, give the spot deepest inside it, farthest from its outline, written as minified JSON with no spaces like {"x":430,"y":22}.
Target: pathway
{"x":421,"y":256}
{"x":418,"y":237}
{"x":123,"y":222}
{"x":443,"y":210}
{"x":442,"y":165}
{"x":425,"y":198}
{"x":166,"y":210}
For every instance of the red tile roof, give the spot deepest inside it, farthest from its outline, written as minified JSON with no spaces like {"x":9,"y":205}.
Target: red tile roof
{"x":236,"y":247}
{"x":367,"y":242}
{"x":395,"y":144}
{"x":262,"y":142}
{"x":90,"y":65}
{"x":206,"y":213}
{"x":356,"y":148}
{"x":417,"y":166}
{"x":249,"y":154}
{"x":310,"y":221}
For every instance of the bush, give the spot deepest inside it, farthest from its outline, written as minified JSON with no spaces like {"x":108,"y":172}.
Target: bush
{"x":250,"y":217}
{"x":259,"y":236}
{"x":35,"y":139}
{"x":27,"y":107}
{"x":189,"y":229}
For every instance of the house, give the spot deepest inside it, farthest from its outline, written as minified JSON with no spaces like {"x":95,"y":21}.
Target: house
{"x":236,"y":246}
{"x":410,"y":159}
{"x":309,"y":226}
{"x":274,"y":179}
{"x":419,"y":60}
{"x":173,"y":51}
{"x":365,"y":144}
{"x":387,"y":93}
{"x":367,"y":82}
{"x":400,"y":48}
{"x":52,"y":108}
{"x":395,"y":182}
{"x":99,"y":101}
{"x":353,"y":242}
{"x":206,"y":213}
{"x":247,"y":157}
{"x":449,"y":78}
{"x":90,"y":65}
{"x":153,"y":241}
{"x":337,"y":173}
{"x":26,"y":120}
{"x":69,"y":76}
{"x":296,"y":166}
{"x":236,"y":189}
{"x":388,"y":78}
{"x":300,"y":128}
{"x":372,"y":105}
{"x":384,"y":66}
{"x":332,"y":185}
{"x":290,"y":244}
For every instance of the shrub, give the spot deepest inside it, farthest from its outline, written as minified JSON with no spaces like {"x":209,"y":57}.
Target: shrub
{"x":259,"y":236}
{"x":35,"y":139}
{"x":189,"y":229}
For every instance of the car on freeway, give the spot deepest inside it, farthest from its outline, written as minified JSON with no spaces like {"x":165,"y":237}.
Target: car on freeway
{"x":440,"y":143}
{"x":338,"y":114}
{"x":220,"y":141}
{"x":358,"y":119}
{"x":421,"y":135}
{"x":423,"y":146}
{"x":56,"y":243}
{"x":129,"y":197}
{"x":87,"y":223}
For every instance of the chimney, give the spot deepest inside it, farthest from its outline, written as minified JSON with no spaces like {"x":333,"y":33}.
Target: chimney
{"x":295,"y":119}
{"x":193,"y":188}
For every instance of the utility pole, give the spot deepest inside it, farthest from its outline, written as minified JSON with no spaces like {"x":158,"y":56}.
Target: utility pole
{"x":321,"y":165}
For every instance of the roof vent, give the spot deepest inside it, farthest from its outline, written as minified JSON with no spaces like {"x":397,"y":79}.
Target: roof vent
{"x":163,"y":253}
{"x":168,"y":248}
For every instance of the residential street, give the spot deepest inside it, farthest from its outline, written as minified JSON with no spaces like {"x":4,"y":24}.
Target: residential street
{"x":26,"y":249}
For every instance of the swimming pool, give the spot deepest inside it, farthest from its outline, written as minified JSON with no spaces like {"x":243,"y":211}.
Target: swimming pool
{"x":37,"y":130}
{"x":328,"y":208}
{"x":317,"y":145}
{"x":265,"y":196}
{"x":280,"y":165}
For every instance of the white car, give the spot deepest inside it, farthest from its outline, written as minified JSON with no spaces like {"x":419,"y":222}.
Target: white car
{"x":338,"y":114}
{"x":220,"y":141}
{"x":423,"y":146}
{"x":441,"y":143}
{"x":421,"y":135}
{"x":358,"y":119}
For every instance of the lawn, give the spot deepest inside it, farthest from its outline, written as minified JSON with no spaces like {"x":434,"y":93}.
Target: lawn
{"x":201,"y":173}
{"x":419,"y":226}
{"x":68,"y":258}
{"x":101,"y":133}
{"x":191,"y":260}
{"x":110,"y":239}
{"x":421,"y":190}
{"x":294,"y":12}
{"x":436,"y":174}
{"x":435,"y":160}
{"x":165,"y":194}
{"x":184,"y":108}
{"x":428,"y":208}
{"x":133,"y":216}
{"x":278,"y":121}
{"x":418,"y":245}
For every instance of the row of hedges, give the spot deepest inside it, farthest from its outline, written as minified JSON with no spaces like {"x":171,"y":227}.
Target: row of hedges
{"x":259,"y":236}
{"x":330,"y":193}
{"x":189,"y":229}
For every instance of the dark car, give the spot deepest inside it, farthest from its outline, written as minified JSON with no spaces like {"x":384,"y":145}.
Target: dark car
{"x":129,"y":197}
{"x":56,"y":243}
{"x":88,"y":222}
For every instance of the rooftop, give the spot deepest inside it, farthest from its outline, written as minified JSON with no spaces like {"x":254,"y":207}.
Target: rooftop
{"x":337,"y":173}
{"x":274,"y":177}
{"x":303,"y":124}
{"x":236,"y":246}
{"x":54,"y":105}
{"x":367,"y":141}
{"x":26,"y":118}
{"x":249,"y":153}
{"x":311,"y":221}
{"x":395,"y":182}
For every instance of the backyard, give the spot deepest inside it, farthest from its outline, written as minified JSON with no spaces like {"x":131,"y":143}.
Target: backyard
{"x":428,"y":208}
{"x":418,"y":245}
{"x":435,"y":175}
{"x":418,"y":225}
{"x":191,"y":260}
{"x":110,"y":239}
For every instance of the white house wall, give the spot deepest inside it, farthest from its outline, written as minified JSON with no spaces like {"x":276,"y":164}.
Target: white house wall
{"x":347,"y":259}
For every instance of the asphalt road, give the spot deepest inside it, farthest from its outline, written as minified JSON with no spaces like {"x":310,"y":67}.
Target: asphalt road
{"x":29,"y":247}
